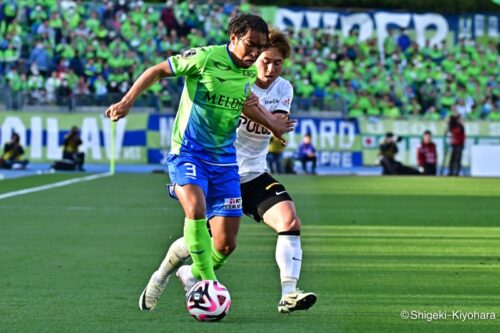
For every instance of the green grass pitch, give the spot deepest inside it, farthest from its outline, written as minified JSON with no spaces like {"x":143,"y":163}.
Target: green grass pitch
{"x":76,"y":258}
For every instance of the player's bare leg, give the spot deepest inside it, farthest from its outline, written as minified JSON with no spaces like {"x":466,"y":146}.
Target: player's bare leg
{"x":283,"y":218}
{"x":224,"y":234}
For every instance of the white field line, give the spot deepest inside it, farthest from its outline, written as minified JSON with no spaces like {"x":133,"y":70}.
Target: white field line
{"x":53,"y":185}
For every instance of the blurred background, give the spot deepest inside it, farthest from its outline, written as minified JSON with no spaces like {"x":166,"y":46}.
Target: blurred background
{"x":381,"y":88}
{"x":360,"y":69}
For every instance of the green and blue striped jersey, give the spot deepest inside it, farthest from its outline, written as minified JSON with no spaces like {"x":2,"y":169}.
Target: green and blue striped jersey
{"x":215,"y":91}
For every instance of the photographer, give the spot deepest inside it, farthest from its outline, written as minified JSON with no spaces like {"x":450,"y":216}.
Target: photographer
{"x":72,"y":158}
{"x":70,"y":150}
{"x":387,"y":154}
{"x":12,"y":156}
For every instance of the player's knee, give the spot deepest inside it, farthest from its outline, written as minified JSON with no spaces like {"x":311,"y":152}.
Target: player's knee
{"x":292,"y":223}
{"x":194,"y":212}
{"x":226,"y":248}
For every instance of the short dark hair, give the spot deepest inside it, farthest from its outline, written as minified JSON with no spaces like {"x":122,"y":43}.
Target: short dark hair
{"x":453,"y":122}
{"x":427,"y":132}
{"x":240,"y":25}
{"x":280,"y":41}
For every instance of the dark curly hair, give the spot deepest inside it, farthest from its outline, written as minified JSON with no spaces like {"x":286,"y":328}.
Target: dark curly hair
{"x":241,"y":24}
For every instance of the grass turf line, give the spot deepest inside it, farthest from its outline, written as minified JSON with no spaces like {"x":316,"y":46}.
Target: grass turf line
{"x":76,"y":258}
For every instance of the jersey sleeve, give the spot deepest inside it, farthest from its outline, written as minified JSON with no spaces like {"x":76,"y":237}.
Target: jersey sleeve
{"x":191,"y":62}
{"x":285,"y":99}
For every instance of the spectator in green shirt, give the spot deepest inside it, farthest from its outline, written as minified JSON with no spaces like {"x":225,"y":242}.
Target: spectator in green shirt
{"x":427,"y":94}
{"x":10,"y":9}
{"x":487,"y":106}
{"x":413,"y":109}
{"x":390,"y":44}
{"x":93,"y":22}
{"x":432,"y":114}
{"x":494,"y":115}
{"x":304,"y":91}
{"x":11,"y":54}
{"x":351,"y":44}
{"x":38,"y":15}
{"x":391,"y":110}
{"x":13,"y":90}
{"x":446,"y":100}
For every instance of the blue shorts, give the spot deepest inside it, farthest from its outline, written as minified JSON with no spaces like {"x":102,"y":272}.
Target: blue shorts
{"x":220,"y":184}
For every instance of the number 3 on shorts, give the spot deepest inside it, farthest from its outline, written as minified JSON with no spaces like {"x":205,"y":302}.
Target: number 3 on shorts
{"x":190,"y":170}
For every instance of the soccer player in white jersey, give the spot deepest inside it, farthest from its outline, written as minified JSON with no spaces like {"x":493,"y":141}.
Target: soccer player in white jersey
{"x":264,"y":198}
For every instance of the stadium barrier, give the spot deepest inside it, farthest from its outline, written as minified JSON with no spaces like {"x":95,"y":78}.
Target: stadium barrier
{"x":145,"y":138}
{"x":485,"y":161}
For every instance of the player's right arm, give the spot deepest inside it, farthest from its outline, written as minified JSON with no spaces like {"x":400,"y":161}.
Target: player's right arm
{"x":189,"y":63}
{"x":277,"y":125}
{"x":147,"y":79}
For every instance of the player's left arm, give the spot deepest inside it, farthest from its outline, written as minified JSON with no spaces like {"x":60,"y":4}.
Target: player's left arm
{"x":277,"y":124}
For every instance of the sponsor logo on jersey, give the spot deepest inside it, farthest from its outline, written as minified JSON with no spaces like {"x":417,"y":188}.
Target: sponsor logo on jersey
{"x":247,"y":88}
{"x":189,"y":53}
{"x":271,"y":101}
{"x":232,"y":203}
{"x":225,"y":101}
{"x":253,"y":127}
{"x":221,"y":66}
{"x":249,"y":74}
{"x":286,"y":101}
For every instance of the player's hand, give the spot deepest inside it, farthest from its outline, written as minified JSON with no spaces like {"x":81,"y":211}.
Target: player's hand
{"x":252,"y":100}
{"x":282,"y":124}
{"x":118,"y":111}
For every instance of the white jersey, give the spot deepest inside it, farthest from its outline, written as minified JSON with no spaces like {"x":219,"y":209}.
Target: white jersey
{"x":253,"y":140}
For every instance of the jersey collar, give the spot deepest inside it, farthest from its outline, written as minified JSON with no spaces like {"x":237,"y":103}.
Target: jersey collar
{"x":229,"y":55}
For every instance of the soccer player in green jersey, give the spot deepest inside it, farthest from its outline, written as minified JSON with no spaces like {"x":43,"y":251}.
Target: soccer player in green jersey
{"x":202,"y":162}
{"x":264,"y":198}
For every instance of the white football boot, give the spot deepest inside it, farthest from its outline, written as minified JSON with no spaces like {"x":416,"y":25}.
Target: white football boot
{"x":151,"y":294}
{"x":186,"y":277}
{"x":177,"y":255}
{"x":296,"y":300}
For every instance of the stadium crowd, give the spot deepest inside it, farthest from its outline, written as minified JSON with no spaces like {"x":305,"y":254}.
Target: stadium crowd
{"x":86,"y":53}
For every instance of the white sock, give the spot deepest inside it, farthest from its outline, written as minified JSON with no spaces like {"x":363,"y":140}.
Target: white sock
{"x":177,"y":256}
{"x":289,"y":259}
{"x":288,"y":286}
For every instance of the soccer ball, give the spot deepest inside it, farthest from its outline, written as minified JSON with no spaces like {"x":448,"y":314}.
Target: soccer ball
{"x":208,"y":301}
